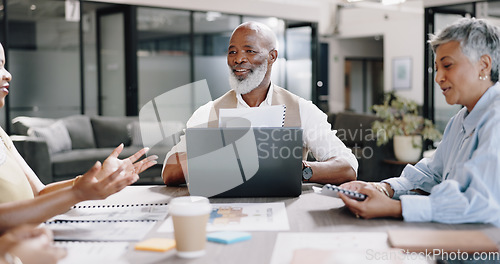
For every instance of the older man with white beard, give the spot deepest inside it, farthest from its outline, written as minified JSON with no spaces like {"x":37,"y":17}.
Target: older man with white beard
{"x":251,"y":54}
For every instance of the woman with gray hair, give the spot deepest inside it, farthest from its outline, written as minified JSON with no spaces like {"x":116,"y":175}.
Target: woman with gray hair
{"x":460,"y":183}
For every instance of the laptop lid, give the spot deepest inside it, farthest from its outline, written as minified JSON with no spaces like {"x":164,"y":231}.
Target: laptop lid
{"x":244,"y":162}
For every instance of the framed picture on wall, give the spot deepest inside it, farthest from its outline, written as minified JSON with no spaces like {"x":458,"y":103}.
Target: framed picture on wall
{"x":401,"y":73}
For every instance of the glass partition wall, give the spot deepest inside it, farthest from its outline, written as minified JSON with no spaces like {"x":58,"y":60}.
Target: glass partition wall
{"x":212,"y":31}
{"x":435,"y":106}
{"x":42,"y":48}
{"x":113,"y":58}
{"x":164,"y":51}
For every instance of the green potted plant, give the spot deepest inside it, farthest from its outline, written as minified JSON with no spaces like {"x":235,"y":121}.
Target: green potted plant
{"x":401,"y":122}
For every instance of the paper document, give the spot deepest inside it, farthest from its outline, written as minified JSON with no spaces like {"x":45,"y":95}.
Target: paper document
{"x":419,"y":240}
{"x":93,"y":252}
{"x":242,"y":217}
{"x":268,"y":116}
{"x":100,"y":231}
{"x":338,"y":247}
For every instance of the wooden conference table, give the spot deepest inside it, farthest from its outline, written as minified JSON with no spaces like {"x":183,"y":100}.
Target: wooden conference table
{"x":309,"y":212}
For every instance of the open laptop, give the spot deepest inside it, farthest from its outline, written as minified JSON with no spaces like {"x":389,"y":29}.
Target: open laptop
{"x":244,"y":162}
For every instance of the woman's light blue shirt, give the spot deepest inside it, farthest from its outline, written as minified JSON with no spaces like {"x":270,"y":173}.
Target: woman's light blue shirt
{"x":463,"y":176}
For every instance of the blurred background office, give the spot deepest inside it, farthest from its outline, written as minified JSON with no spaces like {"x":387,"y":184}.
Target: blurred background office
{"x":111,"y":57}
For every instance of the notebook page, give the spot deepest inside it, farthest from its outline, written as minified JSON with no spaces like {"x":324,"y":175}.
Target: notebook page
{"x":269,"y":116}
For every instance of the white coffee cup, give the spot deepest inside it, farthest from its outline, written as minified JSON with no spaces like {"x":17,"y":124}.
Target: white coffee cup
{"x":190,"y":216}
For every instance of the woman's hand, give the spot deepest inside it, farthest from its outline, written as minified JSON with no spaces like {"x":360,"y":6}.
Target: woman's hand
{"x":144,"y":164}
{"x":112,"y":162}
{"x":88,"y":187}
{"x":23,"y":232}
{"x":375,"y":205}
{"x":354,"y":185}
{"x":34,"y":245}
{"x":14,"y":236}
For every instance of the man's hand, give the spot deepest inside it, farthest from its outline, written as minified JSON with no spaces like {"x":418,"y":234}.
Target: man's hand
{"x":175,"y":169}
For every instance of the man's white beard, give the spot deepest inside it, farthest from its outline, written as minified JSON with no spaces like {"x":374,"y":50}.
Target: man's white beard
{"x":251,"y":82}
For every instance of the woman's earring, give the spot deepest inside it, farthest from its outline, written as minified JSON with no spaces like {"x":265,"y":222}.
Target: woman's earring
{"x":483,"y":78}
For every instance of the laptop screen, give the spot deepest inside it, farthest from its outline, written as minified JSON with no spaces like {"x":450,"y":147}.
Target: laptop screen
{"x":244,"y":162}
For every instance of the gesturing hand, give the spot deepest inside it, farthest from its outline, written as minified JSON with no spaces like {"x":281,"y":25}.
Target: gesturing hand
{"x":88,"y":187}
{"x":114,"y":175}
{"x":112,"y":162}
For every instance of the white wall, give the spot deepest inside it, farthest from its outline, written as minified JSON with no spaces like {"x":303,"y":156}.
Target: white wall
{"x":299,"y":10}
{"x":403,"y":36}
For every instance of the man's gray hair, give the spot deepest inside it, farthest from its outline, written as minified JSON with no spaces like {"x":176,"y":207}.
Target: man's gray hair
{"x":477,"y":37}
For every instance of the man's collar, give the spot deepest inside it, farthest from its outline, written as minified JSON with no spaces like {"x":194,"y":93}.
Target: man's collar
{"x":268,"y":100}
{"x":269,"y":97}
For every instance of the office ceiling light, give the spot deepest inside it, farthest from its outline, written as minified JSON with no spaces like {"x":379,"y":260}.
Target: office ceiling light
{"x":392,"y":2}
{"x":212,"y":16}
{"x":384,"y":2}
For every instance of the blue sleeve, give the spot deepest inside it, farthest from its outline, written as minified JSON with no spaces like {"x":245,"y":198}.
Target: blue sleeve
{"x":472,"y":192}
{"x":426,"y":173}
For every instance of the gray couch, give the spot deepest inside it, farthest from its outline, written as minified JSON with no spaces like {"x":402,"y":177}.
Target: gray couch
{"x":354,"y":130}
{"x":58,"y":149}
{"x":41,"y":143}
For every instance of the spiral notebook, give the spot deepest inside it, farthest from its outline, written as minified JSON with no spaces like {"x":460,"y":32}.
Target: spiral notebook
{"x":128,"y":222}
{"x":268,"y":116}
{"x":123,"y":212}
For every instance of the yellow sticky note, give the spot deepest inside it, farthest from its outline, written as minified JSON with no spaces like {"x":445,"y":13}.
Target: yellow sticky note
{"x":156,"y":244}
